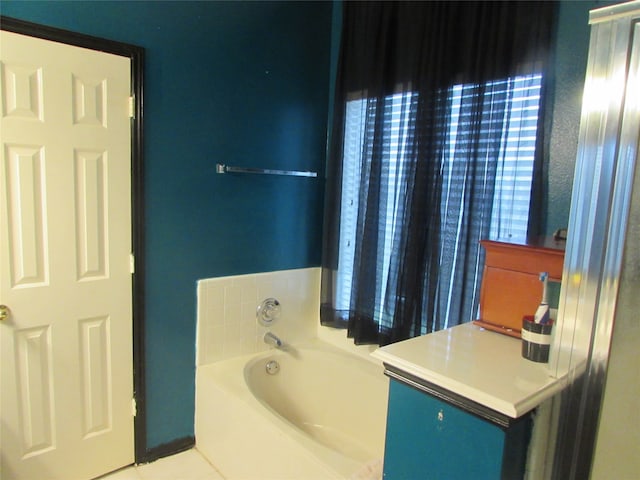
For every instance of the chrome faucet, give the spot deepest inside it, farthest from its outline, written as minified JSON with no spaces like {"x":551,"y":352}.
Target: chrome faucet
{"x":271,"y":339}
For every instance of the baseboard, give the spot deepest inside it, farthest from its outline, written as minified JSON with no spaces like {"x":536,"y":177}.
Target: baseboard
{"x":166,"y":449}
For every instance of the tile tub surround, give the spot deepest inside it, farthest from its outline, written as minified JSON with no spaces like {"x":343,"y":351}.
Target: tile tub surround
{"x":227,"y":325}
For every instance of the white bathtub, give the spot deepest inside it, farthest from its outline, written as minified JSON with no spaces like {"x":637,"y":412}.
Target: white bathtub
{"x":322,"y":416}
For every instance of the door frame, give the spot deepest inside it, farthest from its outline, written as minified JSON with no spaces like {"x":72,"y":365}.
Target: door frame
{"x":136,"y":55}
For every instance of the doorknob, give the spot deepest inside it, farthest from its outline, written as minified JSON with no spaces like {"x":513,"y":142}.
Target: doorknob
{"x":4,"y":312}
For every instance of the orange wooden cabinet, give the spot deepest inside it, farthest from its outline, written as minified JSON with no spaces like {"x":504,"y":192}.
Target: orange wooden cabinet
{"x":511,"y":287}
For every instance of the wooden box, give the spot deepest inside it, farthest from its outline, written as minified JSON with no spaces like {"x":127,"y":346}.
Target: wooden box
{"x":511,"y":286}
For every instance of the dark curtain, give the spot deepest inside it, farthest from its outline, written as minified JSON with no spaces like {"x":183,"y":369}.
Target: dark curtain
{"x":442,"y":201}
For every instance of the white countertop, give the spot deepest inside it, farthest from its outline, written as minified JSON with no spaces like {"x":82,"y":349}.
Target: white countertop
{"x":480,"y":365}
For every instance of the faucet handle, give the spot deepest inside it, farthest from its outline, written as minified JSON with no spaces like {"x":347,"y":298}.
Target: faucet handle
{"x":268,"y":311}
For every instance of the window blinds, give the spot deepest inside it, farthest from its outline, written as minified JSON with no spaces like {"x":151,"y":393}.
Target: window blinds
{"x":510,"y":172}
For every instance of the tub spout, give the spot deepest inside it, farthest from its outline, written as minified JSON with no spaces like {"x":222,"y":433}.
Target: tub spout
{"x":271,"y":339}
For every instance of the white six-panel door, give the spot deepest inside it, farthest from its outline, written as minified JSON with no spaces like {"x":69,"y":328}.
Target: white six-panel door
{"x":65,"y":233}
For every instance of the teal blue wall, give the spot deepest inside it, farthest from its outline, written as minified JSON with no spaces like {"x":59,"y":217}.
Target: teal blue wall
{"x":240,"y":83}
{"x":572,"y":44}
{"x":247,"y":83}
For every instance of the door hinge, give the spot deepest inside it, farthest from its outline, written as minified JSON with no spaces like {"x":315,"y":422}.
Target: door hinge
{"x":134,"y":407}
{"x":132,"y":263}
{"x":132,"y":107}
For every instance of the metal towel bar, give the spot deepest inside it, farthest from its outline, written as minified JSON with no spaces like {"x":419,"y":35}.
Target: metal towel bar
{"x":220,"y":168}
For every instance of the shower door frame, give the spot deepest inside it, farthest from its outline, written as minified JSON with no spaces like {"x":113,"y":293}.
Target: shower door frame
{"x":598,"y":226}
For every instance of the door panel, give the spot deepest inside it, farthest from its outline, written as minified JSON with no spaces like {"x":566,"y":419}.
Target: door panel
{"x":65,"y":233}
{"x":25,"y":195}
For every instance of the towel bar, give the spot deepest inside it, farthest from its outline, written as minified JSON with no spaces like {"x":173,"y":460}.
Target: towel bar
{"x":220,"y":168}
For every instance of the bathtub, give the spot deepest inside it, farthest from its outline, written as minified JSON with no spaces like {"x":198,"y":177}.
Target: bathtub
{"x":321,"y":416}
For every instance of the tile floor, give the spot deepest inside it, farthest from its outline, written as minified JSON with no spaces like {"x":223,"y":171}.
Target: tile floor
{"x":189,"y":465}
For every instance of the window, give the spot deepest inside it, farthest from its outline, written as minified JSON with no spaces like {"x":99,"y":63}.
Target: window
{"x":515,"y":127}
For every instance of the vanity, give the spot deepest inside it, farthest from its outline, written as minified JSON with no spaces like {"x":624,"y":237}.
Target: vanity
{"x":461,"y":399}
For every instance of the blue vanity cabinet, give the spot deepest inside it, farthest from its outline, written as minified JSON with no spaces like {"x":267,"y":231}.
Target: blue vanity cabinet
{"x":460,"y":403}
{"x":429,"y":437}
